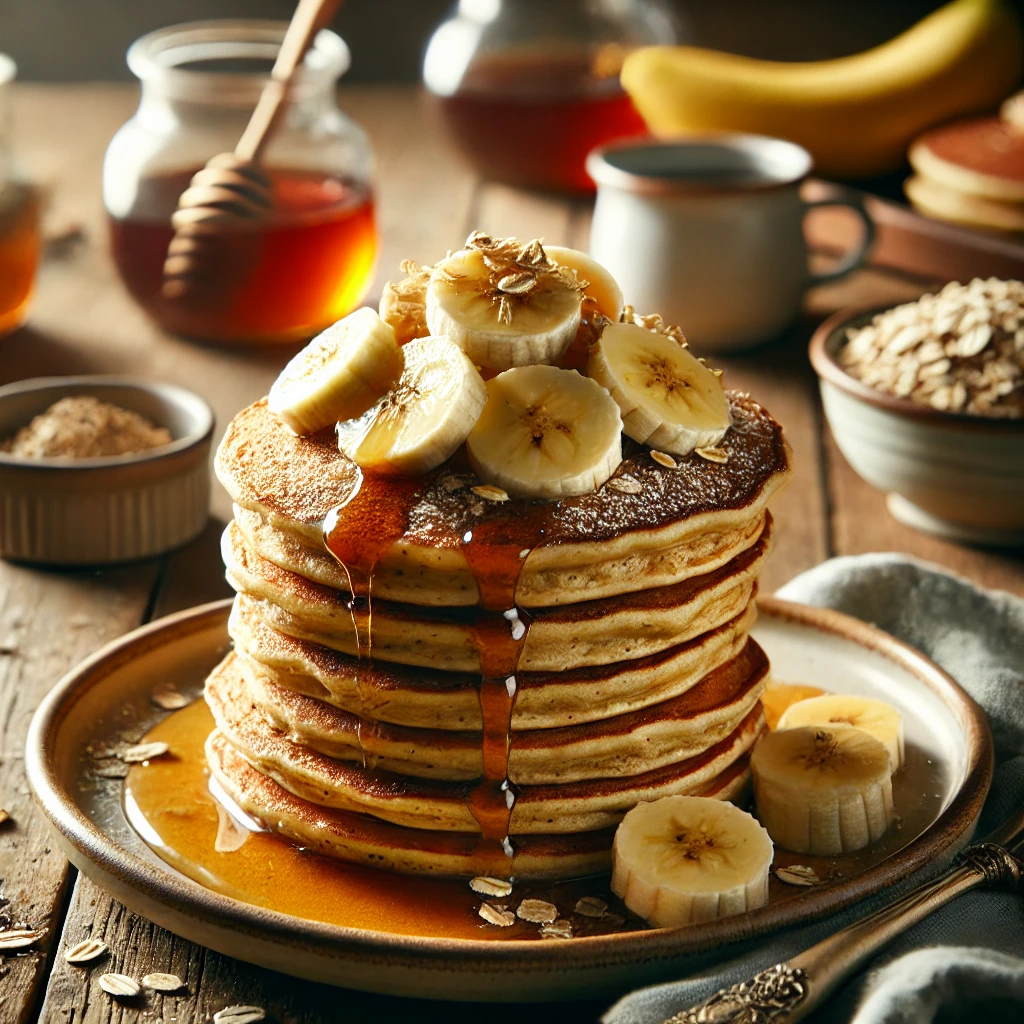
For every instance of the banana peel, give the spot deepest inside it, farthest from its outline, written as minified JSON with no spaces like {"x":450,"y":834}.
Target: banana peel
{"x":856,"y":115}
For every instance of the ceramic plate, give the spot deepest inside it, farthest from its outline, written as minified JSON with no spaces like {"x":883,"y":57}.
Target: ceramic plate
{"x":938,"y":795}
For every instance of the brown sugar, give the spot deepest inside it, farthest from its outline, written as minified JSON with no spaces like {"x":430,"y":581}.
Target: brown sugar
{"x":83,"y":427}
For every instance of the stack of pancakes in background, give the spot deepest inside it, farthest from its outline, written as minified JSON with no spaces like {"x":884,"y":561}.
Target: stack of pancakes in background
{"x":971,"y":172}
{"x":357,"y":726}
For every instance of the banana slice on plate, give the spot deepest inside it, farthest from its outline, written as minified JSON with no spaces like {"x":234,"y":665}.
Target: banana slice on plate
{"x":668,"y":398}
{"x":876,"y":717}
{"x":339,"y":374}
{"x":601,"y":288}
{"x":504,"y":303}
{"x":403,"y":304}
{"x":424,"y":418}
{"x":823,"y":790}
{"x":546,"y":433}
{"x":686,"y":859}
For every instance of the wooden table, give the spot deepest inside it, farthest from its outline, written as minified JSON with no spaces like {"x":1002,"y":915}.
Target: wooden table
{"x":83,"y":322}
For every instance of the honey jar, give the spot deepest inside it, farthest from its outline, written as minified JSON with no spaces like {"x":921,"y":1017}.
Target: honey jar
{"x":291,"y":274}
{"x":19,"y":221}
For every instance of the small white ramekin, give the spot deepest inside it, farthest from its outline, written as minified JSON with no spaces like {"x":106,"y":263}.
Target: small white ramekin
{"x":115,"y":509}
{"x":958,"y":476}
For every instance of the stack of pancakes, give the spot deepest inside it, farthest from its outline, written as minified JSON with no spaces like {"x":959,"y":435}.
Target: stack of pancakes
{"x":354,"y":726}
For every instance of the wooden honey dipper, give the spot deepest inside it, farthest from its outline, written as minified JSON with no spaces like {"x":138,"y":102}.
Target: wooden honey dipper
{"x":233,"y":190}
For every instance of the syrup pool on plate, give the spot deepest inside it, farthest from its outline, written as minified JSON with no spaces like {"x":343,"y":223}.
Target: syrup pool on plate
{"x":169,"y":803}
{"x":294,"y":274}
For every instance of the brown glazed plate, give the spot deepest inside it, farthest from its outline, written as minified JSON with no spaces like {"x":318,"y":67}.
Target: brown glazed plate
{"x":938,"y":796}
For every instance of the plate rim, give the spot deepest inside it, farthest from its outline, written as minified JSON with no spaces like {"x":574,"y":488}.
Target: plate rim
{"x":186,"y":897}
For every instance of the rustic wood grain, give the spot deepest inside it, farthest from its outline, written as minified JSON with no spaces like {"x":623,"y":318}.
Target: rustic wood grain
{"x":48,"y":622}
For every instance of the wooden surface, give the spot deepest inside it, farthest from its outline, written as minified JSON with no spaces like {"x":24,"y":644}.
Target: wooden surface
{"x":82,"y":322}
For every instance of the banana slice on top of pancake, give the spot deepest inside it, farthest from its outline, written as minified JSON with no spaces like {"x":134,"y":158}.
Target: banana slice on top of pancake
{"x":546,"y":432}
{"x":339,"y":374}
{"x":504,"y":303}
{"x":668,"y":398}
{"x":424,"y":418}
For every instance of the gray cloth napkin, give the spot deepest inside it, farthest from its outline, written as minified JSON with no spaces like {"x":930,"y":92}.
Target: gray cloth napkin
{"x":973,"y":949}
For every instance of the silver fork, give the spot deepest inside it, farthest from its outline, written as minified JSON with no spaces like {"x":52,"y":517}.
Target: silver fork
{"x":789,"y":991}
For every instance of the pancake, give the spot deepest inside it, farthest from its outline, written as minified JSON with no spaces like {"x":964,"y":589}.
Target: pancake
{"x":423,"y":698}
{"x":598,"y":632}
{"x":625,"y":745}
{"x":937,"y":200}
{"x":360,"y":839}
{"x":682,"y":521}
{"x":701,"y":554}
{"x":443,"y":805}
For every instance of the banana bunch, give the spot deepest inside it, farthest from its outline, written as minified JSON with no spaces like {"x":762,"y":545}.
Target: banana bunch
{"x":856,"y":115}
{"x":686,"y":859}
{"x":407,"y":388}
{"x":823,"y":789}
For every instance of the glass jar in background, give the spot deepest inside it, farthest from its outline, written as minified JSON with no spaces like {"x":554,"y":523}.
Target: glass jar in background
{"x":20,"y":240}
{"x":313,"y":260}
{"x":528,"y":87}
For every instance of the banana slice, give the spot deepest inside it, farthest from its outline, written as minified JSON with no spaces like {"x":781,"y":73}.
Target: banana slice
{"x":601,"y":288}
{"x":546,"y":433}
{"x":685,"y":859}
{"x":339,"y":374}
{"x":424,"y":418}
{"x":876,"y":717}
{"x":403,"y":304}
{"x":668,"y":398}
{"x":504,"y":303}
{"x":823,"y":790}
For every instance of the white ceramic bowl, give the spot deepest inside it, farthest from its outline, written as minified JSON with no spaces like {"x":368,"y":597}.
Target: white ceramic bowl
{"x":114,"y":509}
{"x":955,"y":475}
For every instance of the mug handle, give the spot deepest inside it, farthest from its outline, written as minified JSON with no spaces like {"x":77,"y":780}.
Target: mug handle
{"x":856,"y":257}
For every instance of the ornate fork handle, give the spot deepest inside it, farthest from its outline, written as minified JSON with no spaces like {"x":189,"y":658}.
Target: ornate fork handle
{"x":789,"y":991}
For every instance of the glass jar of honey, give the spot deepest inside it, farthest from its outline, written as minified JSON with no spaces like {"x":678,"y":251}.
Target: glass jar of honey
{"x":527,"y":88}
{"x":313,"y":259}
{"x":19,"y":220}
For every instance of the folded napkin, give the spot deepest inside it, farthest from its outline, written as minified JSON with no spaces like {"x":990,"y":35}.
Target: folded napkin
{"x":965,"y":962}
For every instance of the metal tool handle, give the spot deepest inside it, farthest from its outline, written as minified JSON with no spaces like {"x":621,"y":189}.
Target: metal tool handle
{"x":788,"y":992}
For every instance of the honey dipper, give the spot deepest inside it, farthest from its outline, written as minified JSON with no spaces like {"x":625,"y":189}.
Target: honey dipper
{"x":233,"y":190}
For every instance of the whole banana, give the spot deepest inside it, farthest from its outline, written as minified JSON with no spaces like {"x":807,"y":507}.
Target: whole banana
{"x":857,"y":114}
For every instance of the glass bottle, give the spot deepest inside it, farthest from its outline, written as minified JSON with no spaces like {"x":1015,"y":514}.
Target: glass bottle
{"x":313,"y":260}
{"x":528,"y":87}
{"x":20,"y":240}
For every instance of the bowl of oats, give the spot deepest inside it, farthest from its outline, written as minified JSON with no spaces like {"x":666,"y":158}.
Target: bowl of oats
{"x":926,"y":402}
{"x":97,"y":470}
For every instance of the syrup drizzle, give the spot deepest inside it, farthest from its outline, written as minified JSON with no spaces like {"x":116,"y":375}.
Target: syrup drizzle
{"x":359,"y":532}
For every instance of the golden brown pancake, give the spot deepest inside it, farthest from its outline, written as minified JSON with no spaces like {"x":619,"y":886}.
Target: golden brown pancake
{"x":682,"y":521}
{"x":598,"y":632}
{"x":443,"y":805}
{"x":424,"y":698}
{"x":624,"y":745}
{"x":360,"y":839}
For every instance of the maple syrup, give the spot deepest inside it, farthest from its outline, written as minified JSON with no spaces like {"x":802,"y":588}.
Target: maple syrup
{"x":169,"y":803}
{"x":531,"y":119}
{"x":307,"y":266}
{"x":20,"y":245}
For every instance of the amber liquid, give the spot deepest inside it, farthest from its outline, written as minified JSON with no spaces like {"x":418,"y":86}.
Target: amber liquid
{"x":169,"y":803}
{"x":285,"y":279}
{"x":360,"y":533}
{"x":530,"y":120}
{"x":20,"y":245}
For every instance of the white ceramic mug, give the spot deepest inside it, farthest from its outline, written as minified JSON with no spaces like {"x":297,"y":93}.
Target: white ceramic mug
{"x":708,"y":232}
